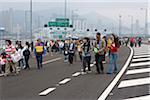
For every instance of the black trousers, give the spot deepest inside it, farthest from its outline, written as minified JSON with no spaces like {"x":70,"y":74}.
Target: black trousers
{"x":27,"y":62}
{"x":71,"y":56}
{"x":86,"y":60}
{"x":80,"y":55}
{"x":99,"y":64}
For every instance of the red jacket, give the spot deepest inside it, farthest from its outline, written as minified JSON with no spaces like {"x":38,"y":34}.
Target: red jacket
{"x":113,"y":48}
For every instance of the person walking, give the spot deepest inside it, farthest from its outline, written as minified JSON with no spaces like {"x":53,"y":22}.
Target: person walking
{"x":132,"y":41}
{"x":10,"y":49}
{"x":99,"y":50}
{"x":66,"y":50}
{"x":104,"y":56}
{"x":86,"y":48}
{"x":79,"y":44}
{"x":113,"y":55}
{"x":71,"y":52}
{"x":39,"y":51}
{"x":26,"y":54}
{"x":21,"y":61}
{"x":139,"y":41}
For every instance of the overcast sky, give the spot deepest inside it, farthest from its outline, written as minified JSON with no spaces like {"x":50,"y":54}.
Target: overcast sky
{"x":108,"y":8}
{"x":75,"y":0}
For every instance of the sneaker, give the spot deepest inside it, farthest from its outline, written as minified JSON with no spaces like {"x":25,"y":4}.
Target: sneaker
{"x":83,"y":73}
{"x":89,"y":72}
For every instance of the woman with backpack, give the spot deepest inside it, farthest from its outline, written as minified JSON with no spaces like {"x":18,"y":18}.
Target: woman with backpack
{"x":113,"y":55}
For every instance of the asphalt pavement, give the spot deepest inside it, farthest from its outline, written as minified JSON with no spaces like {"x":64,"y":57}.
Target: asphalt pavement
{"x":59,"y":81}
{"x":135,"y":82}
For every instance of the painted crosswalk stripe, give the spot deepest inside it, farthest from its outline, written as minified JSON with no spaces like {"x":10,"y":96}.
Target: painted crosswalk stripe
{"x":65,"y":81}
{"x":50,"y":61}
{"x":140,"y":64}
{"x":76,"y":74}
{"x":141,"y":56}
{"x":140,"y":98}
{"x":134,"y":82}
{"x":141,"y":59}
{"x":138,"y":71}
{"x":47,"y":91}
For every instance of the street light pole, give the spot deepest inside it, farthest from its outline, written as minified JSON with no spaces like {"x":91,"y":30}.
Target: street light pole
{"x":120,"y":24}
{"x":146,"y":20}
{"x":131,"y":25}
{"x":31,"y":19}
{"x":65,"y":9}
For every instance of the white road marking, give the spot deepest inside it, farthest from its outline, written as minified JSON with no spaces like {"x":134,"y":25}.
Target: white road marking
{"x":65,"y":81}
{"x":138,"y":54}
{"x":116,"y":79}
{"x":47,"y":91}
{"x":138,"y":71}
{"x":76,"y":74}
{"x":141,"y":56}
{"x":140,"y":98}
{"x":140,"y":59}
{"x":134,"y":82}
{"x":91,"y":65}
{"x":140,"y":64}
{"x":1,"y":75}
{"x":50,"y":61}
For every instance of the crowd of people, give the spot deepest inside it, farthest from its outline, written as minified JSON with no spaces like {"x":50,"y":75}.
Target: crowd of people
{"x":16,"y":57}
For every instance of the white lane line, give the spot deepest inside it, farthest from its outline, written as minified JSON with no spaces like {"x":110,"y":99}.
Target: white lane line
{"x":65,"y":81}
{"x":139,"y":98}
{"x":134,"y":82}
{"x":76,"y":74}
{"x":140,"y":59}
{"x":116,"y":79}
{"x":47,"y":91}
{"x":140,"y":64}
{"x":53,"y":60}
{"x":138,"y":71}
{"x":141,"y":56}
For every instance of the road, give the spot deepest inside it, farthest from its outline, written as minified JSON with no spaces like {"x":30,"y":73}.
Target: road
{"x":60,"y":81}
{"x":135,"y":83}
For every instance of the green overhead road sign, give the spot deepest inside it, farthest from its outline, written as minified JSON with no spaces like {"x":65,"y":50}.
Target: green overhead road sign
{"x":59,"y":22}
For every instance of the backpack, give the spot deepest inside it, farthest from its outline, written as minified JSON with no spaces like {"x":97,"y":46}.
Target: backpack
{"x":39,"y":49}
{"x":26,"y":52}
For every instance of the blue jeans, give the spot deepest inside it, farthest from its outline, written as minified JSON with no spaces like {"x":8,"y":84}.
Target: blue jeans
{"x":112,"y":63}
{"x":22,"y":63}
{"x":39,"y":59}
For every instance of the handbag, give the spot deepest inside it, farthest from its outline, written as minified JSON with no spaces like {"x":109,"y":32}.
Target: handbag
{"x":15,"y":57}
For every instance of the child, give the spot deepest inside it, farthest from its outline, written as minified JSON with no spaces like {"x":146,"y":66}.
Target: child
{"x":2,"y":62}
